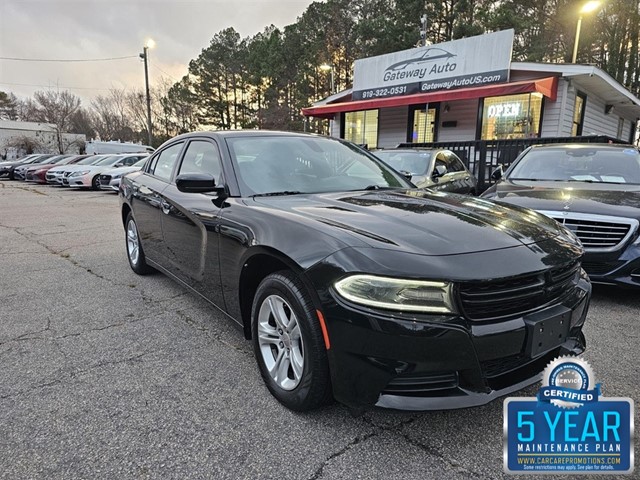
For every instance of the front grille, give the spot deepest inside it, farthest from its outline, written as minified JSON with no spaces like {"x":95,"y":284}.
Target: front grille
{"x":420,"y":383}
{"x":105,"y":179}
{"x":498,"y":366}
{"x":66,"y":174}
{"x":597,"y":232}
{"x":515,"y":296}
{"x":600,"y":268}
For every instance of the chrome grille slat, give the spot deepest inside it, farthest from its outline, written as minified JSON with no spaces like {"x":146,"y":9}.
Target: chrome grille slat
{"x":597,"y":233}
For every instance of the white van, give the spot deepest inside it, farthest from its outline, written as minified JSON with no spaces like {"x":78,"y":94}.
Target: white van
{"x":98,"y":148}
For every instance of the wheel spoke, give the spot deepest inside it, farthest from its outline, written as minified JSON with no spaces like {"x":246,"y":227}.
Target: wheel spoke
{"x":297,"y":363}
{"x":277,"y":309}
{"x":294,"y":332}
{"x":267,"y":334}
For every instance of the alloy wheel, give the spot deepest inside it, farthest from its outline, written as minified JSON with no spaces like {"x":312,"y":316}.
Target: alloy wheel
{"x":280,"y":342}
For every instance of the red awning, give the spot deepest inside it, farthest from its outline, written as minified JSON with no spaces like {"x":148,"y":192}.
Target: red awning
{"x":546,"y":86}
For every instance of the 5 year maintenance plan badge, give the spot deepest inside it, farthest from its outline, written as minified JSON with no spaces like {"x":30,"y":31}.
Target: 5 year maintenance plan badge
{"x":569,"y":427}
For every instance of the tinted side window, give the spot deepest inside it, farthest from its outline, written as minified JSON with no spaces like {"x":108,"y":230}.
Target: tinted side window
{"x":455,"y":164}
{"x":163,"y":163}
{"x":201,"y":157}
{"x":441,"y":159}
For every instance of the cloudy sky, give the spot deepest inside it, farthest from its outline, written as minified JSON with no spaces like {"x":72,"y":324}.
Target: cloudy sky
{"x":92,"y":29}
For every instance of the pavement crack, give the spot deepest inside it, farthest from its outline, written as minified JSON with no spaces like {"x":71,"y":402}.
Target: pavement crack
{"x":451,"y":463}
{"x":359,"y":439}
{"x":30,"y":335}
{"x":76,"y":373}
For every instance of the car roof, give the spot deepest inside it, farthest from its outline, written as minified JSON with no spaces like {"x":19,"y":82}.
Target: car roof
{"x":585,"y":145}
{"x":247,"y":133}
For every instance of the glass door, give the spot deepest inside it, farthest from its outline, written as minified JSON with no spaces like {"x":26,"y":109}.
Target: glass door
{"x":423,"y":124}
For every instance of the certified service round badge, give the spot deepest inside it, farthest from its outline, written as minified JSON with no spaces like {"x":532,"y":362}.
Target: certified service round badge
{"x":569,"y":382}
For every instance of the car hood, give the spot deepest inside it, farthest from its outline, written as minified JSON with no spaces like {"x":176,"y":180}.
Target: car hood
{"x":416,"y":221}
{"x":67,"y":168}
{"x":121,"y":170}
{"x":594,"y":198}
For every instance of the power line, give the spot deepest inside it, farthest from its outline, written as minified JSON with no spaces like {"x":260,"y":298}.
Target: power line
{"x":162,"y":71}
{"x":17,"y":59}
{"x":52,"y":86}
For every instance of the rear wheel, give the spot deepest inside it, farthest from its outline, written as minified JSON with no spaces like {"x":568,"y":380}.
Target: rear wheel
{"x":135,"y":254}
{"x":288,"y":343}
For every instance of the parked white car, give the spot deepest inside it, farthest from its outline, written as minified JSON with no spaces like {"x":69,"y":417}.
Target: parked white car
{"x":55,"y":175}
{"x":89,"y":176}
{"x":110,"y":180}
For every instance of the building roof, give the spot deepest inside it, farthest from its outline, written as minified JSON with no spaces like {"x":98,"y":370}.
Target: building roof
{"x":592,"y":79}
{"x":28,"y":126}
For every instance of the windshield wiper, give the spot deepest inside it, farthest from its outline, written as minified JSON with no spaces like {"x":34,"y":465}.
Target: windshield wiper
{"x":277,"y":194}
{"x":586,"y":180}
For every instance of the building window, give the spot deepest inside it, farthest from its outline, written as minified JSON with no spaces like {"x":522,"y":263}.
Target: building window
{"x":511,"y":116}
{"x":620,"y":127}
{"x":362,"y":127}
{"x":422,"y":128}
{"x":578,"y":114}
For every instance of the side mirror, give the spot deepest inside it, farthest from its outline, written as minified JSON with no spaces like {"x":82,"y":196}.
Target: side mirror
{"x":497,"y":173}
{"x":406,"y":174}
{"x":119,"y":164}
{"x":439,"y":171}
{"x":197,"y":183}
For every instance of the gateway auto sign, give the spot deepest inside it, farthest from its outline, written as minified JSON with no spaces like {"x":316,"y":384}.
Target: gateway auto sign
{"x":469,"y":62}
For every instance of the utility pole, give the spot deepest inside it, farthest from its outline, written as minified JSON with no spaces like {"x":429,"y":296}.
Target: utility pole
{"x":145,"y":56}
{"x":423,"y":31}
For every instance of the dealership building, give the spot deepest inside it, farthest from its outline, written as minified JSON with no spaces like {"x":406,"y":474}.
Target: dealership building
{"x":470,"y":90}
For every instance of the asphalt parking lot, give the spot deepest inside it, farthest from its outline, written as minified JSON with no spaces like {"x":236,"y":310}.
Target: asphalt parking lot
{"x":105,"y":374}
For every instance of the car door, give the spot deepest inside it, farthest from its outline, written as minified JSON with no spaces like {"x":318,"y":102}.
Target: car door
{"x":146,"y":199}
{"x":456,"y":178}
{"x":190,"y":223}
{"x":460,"y":179}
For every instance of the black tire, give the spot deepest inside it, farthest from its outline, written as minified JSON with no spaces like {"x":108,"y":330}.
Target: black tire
{"x":136,"y":257}
{"x":313,"y":388}
{"x":95,"y":183}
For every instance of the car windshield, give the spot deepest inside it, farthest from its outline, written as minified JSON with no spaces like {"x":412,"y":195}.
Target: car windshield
{"x":107,"y":161}
{"x":306,"y":164}
{"x":90,"y":160}
{"x":413,"y":162}
{"x":580,"y":164}
{"x":140,"y":163}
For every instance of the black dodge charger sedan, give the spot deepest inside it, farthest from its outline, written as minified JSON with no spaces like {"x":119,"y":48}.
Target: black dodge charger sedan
{"x":592,"y":189}
{"x":351,"y":283}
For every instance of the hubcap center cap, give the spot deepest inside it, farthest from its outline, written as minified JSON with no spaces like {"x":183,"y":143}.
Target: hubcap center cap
{"x":286,"y":340}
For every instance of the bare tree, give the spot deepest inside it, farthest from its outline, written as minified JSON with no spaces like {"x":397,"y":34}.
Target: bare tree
{"x":53,"y":107}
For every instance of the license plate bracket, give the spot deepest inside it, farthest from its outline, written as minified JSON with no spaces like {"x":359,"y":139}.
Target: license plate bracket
{"x":547,"y":330}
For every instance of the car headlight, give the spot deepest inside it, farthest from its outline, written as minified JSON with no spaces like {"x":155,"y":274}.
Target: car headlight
{"x":397,"y":293}
{"x":118,"y":175}
{"x":79,"y":174}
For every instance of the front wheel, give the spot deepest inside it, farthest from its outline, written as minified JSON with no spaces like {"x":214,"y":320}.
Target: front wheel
{"x":135,"y":254}
{"x":288,"y":343}
{"x":95,"y":183}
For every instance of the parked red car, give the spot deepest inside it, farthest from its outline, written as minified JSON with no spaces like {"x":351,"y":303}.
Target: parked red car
{"x":38,"y":173}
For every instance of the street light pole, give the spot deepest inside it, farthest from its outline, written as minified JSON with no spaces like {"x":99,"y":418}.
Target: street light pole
{"x":575,"y":44}
{"x":326,"y":67}
{"x":145,"y":56}
{"x":586,"y":8}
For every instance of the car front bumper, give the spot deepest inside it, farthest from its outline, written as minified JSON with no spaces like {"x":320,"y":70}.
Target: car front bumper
{"x":80,"y":181}
{"x":112,"y":186}
{"x":433,"y":362}
{"x":616,"y":268}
